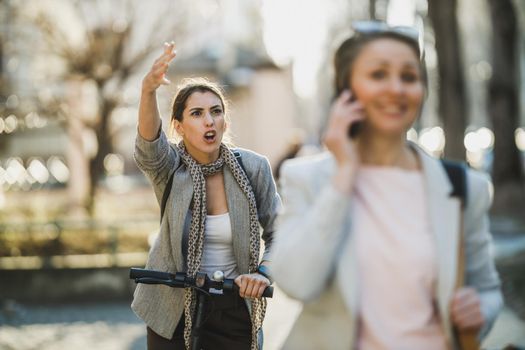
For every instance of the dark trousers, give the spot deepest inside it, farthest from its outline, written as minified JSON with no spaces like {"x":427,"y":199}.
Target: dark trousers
{"x":227,"y":326}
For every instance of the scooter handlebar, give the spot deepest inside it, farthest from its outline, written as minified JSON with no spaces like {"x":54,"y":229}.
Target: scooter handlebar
{"x":180,"y":280}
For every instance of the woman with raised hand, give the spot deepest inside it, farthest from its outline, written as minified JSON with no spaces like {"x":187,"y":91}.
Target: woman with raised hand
{"x":368,"y":238}
{"x":212,"y":217}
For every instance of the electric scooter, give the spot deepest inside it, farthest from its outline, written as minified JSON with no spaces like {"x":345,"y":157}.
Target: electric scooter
{"x":201,"y":283}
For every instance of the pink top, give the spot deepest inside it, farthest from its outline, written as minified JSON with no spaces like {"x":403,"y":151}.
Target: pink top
{"x":396,"y":261}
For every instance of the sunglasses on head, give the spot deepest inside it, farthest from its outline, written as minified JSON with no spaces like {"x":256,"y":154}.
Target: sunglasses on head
{"x":378,"y":27}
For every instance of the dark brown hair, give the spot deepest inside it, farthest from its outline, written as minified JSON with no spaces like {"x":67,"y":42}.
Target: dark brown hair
{"x":187,"y":88}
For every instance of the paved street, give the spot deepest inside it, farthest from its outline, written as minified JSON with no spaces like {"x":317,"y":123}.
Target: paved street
{"x":113,"y":326}
{"x":79,"y":327}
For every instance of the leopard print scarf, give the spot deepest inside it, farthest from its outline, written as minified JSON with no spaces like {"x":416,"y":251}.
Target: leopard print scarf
{"x":198,"y":173}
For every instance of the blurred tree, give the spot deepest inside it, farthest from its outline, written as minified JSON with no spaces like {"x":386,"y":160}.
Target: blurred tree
{"x":372,"y":9}
{"x":3,"y":80}
{"x":452,"y":88}
{"x":6,"y":11}
{"x":504,"y":109}
{"x":107,"y":60}
{"x":377,"y":9}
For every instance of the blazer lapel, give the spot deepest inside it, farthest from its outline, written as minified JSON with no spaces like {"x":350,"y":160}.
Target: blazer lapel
{"x":182,"y":199}
{"x":444,"y":216}
{"x":240,"y":220}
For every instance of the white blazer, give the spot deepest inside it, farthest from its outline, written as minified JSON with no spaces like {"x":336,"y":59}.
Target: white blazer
{"x":313,"y":257}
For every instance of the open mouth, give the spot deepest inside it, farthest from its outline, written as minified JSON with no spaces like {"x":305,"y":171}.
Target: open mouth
{"x":210,"y":136}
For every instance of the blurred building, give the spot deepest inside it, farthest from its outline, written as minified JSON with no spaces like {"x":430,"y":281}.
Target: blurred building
{"x":274,"y":64}
{"x":221,"y":40}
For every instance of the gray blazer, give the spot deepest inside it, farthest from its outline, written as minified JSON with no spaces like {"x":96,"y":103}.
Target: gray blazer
{"x":161,"y":307}
{"x":313,"y":256}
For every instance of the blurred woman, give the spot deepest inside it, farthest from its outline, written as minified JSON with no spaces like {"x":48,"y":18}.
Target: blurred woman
{"x":368,"y":239}
{"x":212,"y":217}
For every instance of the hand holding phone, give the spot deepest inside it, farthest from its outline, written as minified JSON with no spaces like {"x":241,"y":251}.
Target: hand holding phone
{"x":346,"y":115}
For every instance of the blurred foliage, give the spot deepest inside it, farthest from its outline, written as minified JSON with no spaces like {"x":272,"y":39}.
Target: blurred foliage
{"x":73,"y":238}
{"x":38,"y":223}
{"x":108,"y":45}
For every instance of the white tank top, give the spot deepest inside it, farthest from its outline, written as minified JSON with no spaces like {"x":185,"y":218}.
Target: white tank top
{"x":218,"y":246}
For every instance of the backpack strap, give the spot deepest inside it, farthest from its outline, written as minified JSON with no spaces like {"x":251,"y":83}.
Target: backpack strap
{"x":169,"y":184}
{"x":238,"y":156}
{"x":457,"y":174}
{"x":166,"y":194}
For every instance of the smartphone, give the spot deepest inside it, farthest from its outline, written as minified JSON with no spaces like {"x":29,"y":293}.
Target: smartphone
{"x":354,"y":128}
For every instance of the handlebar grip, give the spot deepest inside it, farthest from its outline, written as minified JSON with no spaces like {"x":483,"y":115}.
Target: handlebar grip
{"x":229,"y":284}
{"x":268,"y":292}
{"x":140,"y":273}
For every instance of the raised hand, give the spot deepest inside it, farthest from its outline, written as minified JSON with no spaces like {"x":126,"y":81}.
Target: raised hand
{"x":157,"y":74}
{"x":149,"y":116}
